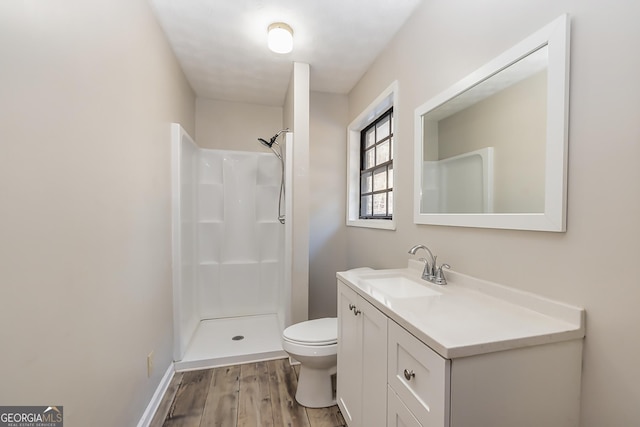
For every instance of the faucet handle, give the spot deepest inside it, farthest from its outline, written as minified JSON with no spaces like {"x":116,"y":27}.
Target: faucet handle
{"x":439,"y":275}
{"x":426,"y":272}
{"x":434,"y":267}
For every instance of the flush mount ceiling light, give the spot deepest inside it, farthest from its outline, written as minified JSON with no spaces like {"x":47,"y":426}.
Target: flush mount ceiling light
{"x":280,"y":38}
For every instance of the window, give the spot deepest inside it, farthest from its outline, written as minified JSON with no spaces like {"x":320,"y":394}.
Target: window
{"x":370,"y":169}
{"x":376,"y":168}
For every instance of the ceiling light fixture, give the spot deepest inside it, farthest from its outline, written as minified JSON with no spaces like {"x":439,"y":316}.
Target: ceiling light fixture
{"x":280,"y":38}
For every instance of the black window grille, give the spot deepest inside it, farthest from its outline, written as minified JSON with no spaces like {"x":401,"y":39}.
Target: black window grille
{"x":376,"y":168}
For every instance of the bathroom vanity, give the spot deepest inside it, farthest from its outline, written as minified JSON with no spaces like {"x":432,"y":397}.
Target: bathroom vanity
{"x":468,"y":354}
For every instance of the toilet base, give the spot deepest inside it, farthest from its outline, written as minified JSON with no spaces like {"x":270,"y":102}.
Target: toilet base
{"x":315,"y":388}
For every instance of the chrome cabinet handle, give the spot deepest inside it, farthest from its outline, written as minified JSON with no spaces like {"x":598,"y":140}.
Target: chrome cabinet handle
{"x":408,"y":374}
{"x":354,"y":309}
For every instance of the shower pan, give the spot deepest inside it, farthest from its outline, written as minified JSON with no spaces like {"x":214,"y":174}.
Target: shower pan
{"x":231,"y":272}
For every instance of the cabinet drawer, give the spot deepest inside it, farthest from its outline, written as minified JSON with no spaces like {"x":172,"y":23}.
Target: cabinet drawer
{"x":419,"y":376}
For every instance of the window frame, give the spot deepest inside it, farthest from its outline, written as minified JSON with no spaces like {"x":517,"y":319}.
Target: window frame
{"x":387,"y":99}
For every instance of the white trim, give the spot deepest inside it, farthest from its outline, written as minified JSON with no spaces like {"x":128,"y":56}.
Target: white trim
{"x":154,"y":403}
{"x":176,"y":235}
{"x":387,"y":99}
{"x":287,"y":297}
{"x":182,"y":335}
{"x":382,"y":224}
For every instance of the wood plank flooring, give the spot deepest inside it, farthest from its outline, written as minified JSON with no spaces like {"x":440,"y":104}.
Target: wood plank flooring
{"x":251,"y":395}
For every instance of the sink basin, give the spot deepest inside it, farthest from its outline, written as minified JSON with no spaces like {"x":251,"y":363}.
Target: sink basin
{"x":398,"y":286}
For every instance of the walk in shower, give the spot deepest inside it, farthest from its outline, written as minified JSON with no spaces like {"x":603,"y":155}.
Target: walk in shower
{"x":231,"y":272}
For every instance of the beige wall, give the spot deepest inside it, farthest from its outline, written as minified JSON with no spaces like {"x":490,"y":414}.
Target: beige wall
{"x":298,"y":111}
{"x":229,"y":125}
{"x":288,"y":112}
{"x":327,"y":204}
{"x":88,"y":90}
{"x":593,"y":264}
{"x":513,"y":122}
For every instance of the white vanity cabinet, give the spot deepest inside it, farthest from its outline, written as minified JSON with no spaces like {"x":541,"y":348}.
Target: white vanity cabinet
{"x":362,"y":361}
{"x":471,"y":354}
{"x":419,"y":378}
{"x":532,"y":386}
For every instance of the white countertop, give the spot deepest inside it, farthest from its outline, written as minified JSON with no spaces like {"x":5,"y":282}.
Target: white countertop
{"x":469,"y":316}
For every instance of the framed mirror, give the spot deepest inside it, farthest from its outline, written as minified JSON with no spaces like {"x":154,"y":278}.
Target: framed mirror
{"x":491,"y":150}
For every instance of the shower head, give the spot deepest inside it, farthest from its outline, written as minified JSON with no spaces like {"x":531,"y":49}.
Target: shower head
{"x":265,"y":142}
{"x":273,"y":139}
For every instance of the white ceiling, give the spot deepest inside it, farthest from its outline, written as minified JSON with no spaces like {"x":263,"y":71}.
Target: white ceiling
{"x":222,"y":47}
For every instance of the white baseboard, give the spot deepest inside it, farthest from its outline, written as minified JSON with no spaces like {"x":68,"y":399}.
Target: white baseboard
{"x":152,"y":407}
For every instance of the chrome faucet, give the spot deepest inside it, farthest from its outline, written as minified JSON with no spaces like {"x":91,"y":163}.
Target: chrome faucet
{"x":428,"y":273}
{"x":432,"y":272}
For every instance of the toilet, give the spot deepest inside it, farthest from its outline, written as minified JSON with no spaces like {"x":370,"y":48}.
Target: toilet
{"x":314,"y":344}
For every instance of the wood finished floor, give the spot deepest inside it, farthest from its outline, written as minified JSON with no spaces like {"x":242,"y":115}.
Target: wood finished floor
{"x":250,"y":395}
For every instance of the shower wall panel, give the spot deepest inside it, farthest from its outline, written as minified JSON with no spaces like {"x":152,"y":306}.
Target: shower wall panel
{"x":184,"y":236}
{"x":239,"y":238}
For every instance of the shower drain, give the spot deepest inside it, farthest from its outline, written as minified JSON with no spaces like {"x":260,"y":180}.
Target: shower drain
{"x":238,"y":337}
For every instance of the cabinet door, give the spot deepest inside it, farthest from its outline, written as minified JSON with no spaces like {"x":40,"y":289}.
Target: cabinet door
{"x":374,"y":365}
{"x":362,"y":361}
{"x":399,"y":415}
{"x":349,"y":378}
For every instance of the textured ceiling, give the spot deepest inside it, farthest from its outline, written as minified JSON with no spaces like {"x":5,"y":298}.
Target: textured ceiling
{"x":221,"y":44}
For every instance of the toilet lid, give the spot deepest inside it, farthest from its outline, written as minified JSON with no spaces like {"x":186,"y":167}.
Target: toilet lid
{"x":314,"y":332}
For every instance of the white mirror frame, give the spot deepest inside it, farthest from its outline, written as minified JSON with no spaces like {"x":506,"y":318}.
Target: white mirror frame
{"x":556,"y":36}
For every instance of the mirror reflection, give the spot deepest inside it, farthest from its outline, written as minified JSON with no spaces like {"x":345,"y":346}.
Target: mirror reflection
{"x":484,"y":149}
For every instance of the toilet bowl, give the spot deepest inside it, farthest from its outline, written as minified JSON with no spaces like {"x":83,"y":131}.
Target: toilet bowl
{"x":314,"y":344}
